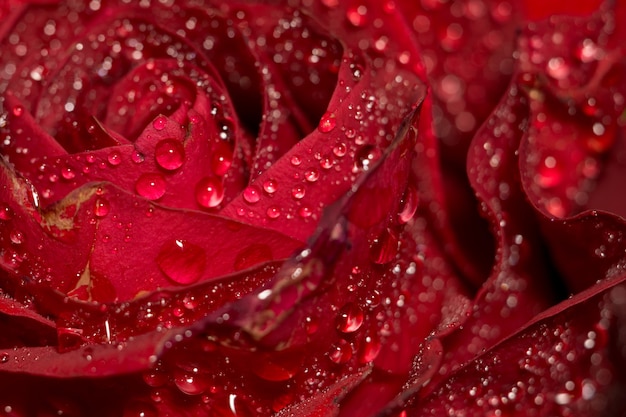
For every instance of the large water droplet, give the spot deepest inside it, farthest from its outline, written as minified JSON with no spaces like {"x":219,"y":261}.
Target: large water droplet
{"x":357,"y":16}
{"x":181,"y":261}
{"x":151,"y":186}
{"x":169,"y":154}
{"x":341,"y":352}
{"x":102,"y":207}
{"x":209,"y":192}
{"x":270,"y":186}
{"x":273,"y":212}
{"x":298,"y":192}
{"x":385,"y":248}
{"x":251,"y":194}
{"x":190,"y":382}
{"x":409,"y":206}
{"x":350,"y":318}
{"x":327,"y":122}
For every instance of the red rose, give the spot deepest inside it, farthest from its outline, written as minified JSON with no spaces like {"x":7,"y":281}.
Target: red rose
{"x":259,"y":209}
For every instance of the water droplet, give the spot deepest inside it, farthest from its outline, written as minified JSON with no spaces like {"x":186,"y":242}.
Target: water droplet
{"x":18,"y":111}
{"x":311,"y":175}
{"x":222,"y":158}
{"x":181,"y":261}
{"x":327,"y":122}
{"x":4,"y":357}
{"x":341,"y":352}
{"x":67,"y":173}
{"x":190,"y":382}
{"x":16,"y":237}
{"x":102,"y":207}
{"x":137,"y":157}
{"x":340,"y":150}
{"x":169,"y":154}
{"x":209,"y":192}
{"x":159,"y":123}
{"x":273,"y":212}
{"x":154,"y":378}
{"x":298,"y":192}
{"x":350,"y":318}
{"x":409,"y":206}
{"x":296,"y":160}
{"x":366,"y":157}
{"x":326,"y":162}
{"x":150,"y":186}
{"x":385,"y":248}
{"x":114,"y":158}
{"x":305,"y":212}
{"x":251,"y":194}
{"x":270,"y":186}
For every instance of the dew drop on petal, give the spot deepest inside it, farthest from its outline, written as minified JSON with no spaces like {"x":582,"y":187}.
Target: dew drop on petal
{"x":273,"y":212}
{"x":221,"y":159}
{"x":169,"y":154}
{"x":298,"y":192}
{"x":409,"y":206}
{"x":18,"y":111}
{"x":270,"y":186}
{"x":209,"y":192}
{"x":16,"y":237}
{"x":159,"y":123}
{"x":385,"y":248}
{"x":311,"y":175}
{"x":67,"y":173}
{"x":150,"y":186}
{"x":102,"y":207}
{"x":181,"y":261}
{"x":305,"y":212}
{"x":251,"y":194}
{"x":114,"y":158}
{"x":189,"y":382}
{"x":340,"y":352}
{"x":296,"y":160}
{"x":327,"y":122}
{"x":350,"y":318}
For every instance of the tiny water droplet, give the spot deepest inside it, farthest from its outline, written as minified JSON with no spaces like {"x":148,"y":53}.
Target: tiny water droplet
{"x":251,"y":194}
{"x":181,"y":261}
{"x":5,"y":212}
{"x":4,"y":357}
{"x":102,"y":207}
{"x":159,"y":123}
{"x":209,"y":192}
{"x":114,"y":158}
{"x":327,"y":122}
{"x":270,"y":186}
{"x":150,"y":186}
{"x":350,"y":318}
{"x":137,"y":157}
{"x":169,"y":154}
{"x":18,"y":111}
